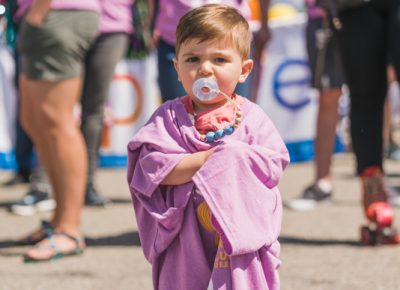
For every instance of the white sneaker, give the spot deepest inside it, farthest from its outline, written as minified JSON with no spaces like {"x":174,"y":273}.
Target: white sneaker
{"x":311,"y":198}
{"x":33,"y":202}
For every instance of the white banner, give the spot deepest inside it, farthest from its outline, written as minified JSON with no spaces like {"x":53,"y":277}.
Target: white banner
{"x":133,"y":98}
{"x":8,"y":106}
{"x":285,"y":92}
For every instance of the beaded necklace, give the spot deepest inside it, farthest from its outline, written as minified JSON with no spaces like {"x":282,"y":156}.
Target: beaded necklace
{"x":212,"y":136}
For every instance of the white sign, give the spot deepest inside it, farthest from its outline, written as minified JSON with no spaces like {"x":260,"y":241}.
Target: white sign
{"x":284,"y":91}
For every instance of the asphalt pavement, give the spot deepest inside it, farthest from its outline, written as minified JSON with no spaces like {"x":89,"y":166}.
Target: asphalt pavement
{"x":320,"y":248}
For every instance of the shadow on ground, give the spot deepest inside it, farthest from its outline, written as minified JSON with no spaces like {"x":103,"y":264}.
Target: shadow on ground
{"x":126,"y":239}
{"x":287,"y":240}
{"x":8,"y":244}
{"x":7,"y":204}
{"x":121,"y":200}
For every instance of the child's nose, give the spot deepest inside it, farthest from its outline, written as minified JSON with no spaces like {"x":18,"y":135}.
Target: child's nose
{"x":205,"y":68}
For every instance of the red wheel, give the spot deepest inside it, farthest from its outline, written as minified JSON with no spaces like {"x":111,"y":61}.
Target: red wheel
{"x":397,"y":238}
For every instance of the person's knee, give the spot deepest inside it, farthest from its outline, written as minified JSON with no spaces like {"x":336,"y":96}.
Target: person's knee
{"x":93,"y":115}
{"x":92,"y":120}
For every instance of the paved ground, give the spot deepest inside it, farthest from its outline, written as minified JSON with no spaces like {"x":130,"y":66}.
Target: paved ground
{"x":320,"y":249}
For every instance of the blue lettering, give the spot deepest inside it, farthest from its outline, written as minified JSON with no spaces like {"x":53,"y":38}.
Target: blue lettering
{"x":279,"y":85}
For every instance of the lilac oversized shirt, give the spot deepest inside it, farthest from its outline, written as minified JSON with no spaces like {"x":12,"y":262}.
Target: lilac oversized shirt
{"x":23,"y":5}
{"x":170,"y":11}
{"x":239,"y":185}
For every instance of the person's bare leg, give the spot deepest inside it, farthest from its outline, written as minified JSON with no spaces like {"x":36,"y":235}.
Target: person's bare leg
{"x":326,"y":132}
{"x":387,"y":116}
{"x":29,"y":119}
{"x":47,"y":114}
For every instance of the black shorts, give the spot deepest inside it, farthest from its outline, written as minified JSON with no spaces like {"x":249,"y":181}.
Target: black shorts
{"x":326,"y":68}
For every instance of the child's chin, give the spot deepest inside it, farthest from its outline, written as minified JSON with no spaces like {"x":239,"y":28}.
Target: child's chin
{"x":213,"y":101}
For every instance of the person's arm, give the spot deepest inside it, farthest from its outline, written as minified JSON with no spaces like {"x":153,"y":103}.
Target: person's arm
{"x":260,"y":39}
{"x":38,"y":11}
{"x":154,"y":8}
{"x":151,"y":6}
{"x":262,"y":36}
{"x":187,"y":168}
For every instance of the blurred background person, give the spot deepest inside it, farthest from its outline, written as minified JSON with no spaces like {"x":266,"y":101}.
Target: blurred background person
{"x":369,"y":37}
{"x":99,"y":65}
{"x":28,"y":166}
{"x":100,"y":62}
{"x":54,"y":38}
{"x":327,"y":78}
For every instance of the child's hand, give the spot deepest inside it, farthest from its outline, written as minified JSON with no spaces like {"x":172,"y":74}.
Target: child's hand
{"x":187,"y":167}
{"x":208,"y":153}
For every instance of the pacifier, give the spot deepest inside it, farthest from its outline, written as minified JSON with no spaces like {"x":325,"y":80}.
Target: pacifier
{"x":205,"y":89}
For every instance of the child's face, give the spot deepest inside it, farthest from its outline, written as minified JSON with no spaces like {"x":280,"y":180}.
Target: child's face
{"x":217,"y":59}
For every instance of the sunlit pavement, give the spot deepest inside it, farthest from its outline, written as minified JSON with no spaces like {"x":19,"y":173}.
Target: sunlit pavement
{"x":320,"y":248}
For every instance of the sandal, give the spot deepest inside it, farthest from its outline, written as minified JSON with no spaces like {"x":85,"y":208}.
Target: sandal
{"x":45,"y":231}
{"x":53,"y":246}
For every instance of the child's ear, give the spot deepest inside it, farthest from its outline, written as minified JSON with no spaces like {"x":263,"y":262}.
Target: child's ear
{"x":247,"y":67}
{"x":175,"y":61}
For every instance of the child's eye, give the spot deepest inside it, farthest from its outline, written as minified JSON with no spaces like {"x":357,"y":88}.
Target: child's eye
{"x":192,"y":59}
{"x":220,"y":60}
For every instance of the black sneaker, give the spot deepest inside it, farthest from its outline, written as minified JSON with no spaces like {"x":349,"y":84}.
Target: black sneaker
{"x":33,"y":202}
{"x":312,"y":197}
{"x":92,"y":198}
{"x":18,"y":178}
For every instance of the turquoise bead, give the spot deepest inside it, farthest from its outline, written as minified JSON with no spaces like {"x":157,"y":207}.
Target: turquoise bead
{"x":228,"y":130}
{"x":210,"y":137}
{"x":219,"y":134}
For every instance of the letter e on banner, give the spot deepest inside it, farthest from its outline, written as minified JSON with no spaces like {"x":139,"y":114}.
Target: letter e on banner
{"x":291,"y":84}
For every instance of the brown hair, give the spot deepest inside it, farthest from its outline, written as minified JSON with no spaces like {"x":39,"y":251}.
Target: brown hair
{"x":215,"y":21}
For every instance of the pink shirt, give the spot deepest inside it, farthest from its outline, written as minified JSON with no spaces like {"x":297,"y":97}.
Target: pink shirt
{"x":313,"y":11}
{"x":215,"y":118}
{"x":116,"y":16}
{"x":23,"y":5}
{"x":170,"y":11}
